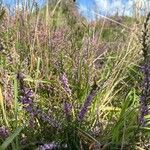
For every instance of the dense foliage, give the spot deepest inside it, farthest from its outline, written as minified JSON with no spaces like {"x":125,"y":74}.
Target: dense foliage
{"x":66,"y":83}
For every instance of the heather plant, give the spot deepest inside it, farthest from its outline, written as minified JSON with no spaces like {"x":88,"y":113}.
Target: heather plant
{"x":66,"y":83}
{"x":145,"y":91}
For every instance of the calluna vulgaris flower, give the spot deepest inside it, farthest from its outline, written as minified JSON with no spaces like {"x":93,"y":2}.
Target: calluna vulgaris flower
{"x":65,"y":84}
{"x":58,"y":39}
{"x":52,"y":146}
{"x":4,"y":132}
{"x":67,"y":109}
{"x":28,"y":105}
{"x":146,"y":70}
{"x":145,"y":94}
{"x":87,"y":103}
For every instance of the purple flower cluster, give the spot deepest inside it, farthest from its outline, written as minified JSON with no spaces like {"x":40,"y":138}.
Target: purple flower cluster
{"x":144,"y":110}
{"x":68,"y":110}
{"x":4,"y":132}
{"x":27,"y":96}
{"x":67,"y":105}
{"x":26,"y":99}
{"x":49,"y":146}
{"x":52,"y":146}
{"x":65,"y":84}
{"x":145,"y":97}
{"x":87,"y":103}
{"x":58,"y":39}
{"x":29,"y":106}
{"x":49,"y":119}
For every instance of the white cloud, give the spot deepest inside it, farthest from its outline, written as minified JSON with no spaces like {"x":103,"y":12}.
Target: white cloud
{"x":102,"y":4}
{"x":122,"y":6}
{"x":111,"y":7}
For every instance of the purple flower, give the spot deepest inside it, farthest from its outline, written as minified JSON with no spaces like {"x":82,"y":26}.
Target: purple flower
{"x":49,"y":119}
{"x":32,"y":122}
{"x":4,"y":132}
{"x":67,"y":109}
{"x":145,"y":96}
{"x":52,"y":146}
{"x":26,"y":100}
{"x":29,"y":109}
{"x":27,"y":92}
{"x":87,"y":103}
{"x":144,"y":110}
{"x":29,"y":106}
{"x":65,"y":84}
{"x":58,"y":40}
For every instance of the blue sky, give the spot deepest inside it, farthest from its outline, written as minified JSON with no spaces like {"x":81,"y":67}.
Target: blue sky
{"x":89,"y":8}
{"x":12,"y":2}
